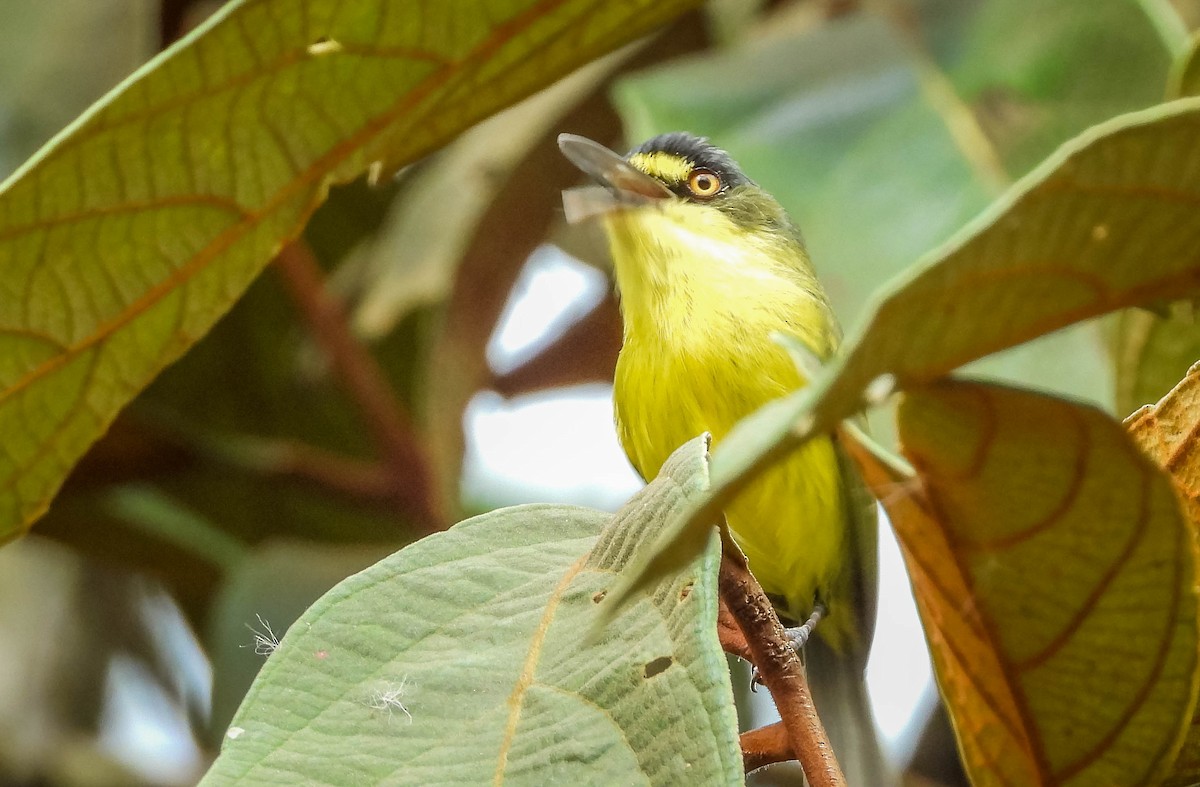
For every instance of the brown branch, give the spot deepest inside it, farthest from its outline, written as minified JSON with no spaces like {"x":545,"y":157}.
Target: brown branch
{"x":138,"y":448}
{"x":766,"y":746}
{"x":358,"y":480}
{"x":176,"y":18}
{"x":172,"y":15}
{"x":395,"y":437}
{"x":585,"y":352}
{"x":733,"y":641}
{"x":780,"y":669}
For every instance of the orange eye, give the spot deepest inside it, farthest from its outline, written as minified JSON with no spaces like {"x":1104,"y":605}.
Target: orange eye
{"x":704,"y":183}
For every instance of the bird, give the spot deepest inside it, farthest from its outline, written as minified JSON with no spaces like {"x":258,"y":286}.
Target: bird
{"x":710,"y":271}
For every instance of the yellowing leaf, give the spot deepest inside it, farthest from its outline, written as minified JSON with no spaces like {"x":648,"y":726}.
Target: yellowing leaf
{"x":1055,"y":577}
{"x":134,"y":230}
{"x":1167,"y":433}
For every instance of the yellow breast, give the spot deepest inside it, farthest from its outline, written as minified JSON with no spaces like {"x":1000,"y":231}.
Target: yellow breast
{"x":699,"y":356}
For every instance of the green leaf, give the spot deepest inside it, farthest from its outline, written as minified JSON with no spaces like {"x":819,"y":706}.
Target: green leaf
{"x":1185,"y":76}
{"x":1036,"y":74}
{"x":1153,"y":350}
{"x":459,"y":659}
{"x":136,"y":228}
{"x":1167,"y":20}
{"x":1105,"y":223}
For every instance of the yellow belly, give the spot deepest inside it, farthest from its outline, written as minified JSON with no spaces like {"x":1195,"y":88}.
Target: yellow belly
{"x":790,"y":521}
{"x":701,"y":298}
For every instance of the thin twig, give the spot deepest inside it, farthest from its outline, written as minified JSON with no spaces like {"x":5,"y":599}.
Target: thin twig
{"x":356,"y":479}
{"x":395,"y":437}
{"x":941,"y":95}
{"x":780,"y":669}
{"x":167,"y":442}
{"x":766,"y":746}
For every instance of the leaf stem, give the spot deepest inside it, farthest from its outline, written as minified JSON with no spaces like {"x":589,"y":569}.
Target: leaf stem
{"x":780,"y":669}
{"x":356,"y":479}
{"x":943,"y":98}
{"x":396,"y":438}
{"x":1167,"y":23}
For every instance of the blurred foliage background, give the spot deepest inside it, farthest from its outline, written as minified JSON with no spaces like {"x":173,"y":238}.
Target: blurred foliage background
{"x":398,"y":368}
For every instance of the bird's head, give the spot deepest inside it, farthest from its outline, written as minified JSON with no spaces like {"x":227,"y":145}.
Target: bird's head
{"x":677,"y":178}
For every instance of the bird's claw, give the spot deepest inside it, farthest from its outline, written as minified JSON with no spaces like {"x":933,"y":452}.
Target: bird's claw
{"x":797,"y":638}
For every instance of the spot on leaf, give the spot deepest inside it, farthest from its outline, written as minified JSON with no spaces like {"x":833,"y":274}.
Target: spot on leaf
{"x":657,"y":666}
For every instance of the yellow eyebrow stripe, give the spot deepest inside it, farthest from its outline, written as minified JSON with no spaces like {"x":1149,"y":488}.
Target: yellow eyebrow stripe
{"x":667,"y":167}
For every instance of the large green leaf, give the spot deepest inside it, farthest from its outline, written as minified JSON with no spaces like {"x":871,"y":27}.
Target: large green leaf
{"x":1105,"y":223}
{"x":462,"y":659}
{"x":1152,"y":350}
{"x":125,"y":238}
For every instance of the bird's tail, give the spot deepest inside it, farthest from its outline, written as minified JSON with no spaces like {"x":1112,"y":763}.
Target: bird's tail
{"x":840,"y":693}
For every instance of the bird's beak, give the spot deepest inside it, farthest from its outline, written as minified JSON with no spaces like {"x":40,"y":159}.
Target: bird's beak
{"x":623,"y":184}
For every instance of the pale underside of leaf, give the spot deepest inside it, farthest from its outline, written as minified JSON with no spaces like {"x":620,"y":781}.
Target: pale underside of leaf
{"x":477,"y":632}
{"x":1054,"y":572}
{"x":136,"y":228}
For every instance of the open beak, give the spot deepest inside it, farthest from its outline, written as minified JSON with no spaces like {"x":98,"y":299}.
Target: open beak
{"x":623,"y":184}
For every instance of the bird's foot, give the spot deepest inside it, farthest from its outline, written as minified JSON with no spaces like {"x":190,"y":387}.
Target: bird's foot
{"x":797,"y":638}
